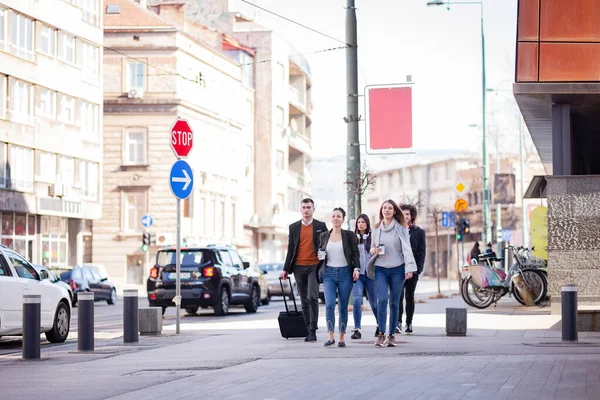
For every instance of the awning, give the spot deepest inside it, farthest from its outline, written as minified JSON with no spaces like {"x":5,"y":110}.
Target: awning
{"x":537,"y":188}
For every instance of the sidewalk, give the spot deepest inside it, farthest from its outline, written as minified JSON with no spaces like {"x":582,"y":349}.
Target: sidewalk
{"x":510,"y":352}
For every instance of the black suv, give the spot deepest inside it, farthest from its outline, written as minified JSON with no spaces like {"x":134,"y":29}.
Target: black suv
{"x":212,"y":276}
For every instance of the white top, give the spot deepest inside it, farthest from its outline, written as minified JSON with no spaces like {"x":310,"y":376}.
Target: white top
{"x":335,"y":254}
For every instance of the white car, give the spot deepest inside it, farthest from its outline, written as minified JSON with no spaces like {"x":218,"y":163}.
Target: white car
{"x":17,"y":278}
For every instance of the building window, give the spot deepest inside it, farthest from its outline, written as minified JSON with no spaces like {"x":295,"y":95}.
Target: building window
{"x":91,"y":55}
{"x":3,"y":90}
{"x":22,"y":36}
{"x":280,"y":74}
{"x":45,"y":167}
{"x":3,"y":165}
{"x":213,"y":218}
{"x":67,"y":109}
{"x":90,"y":120}
{"x":21,"y":100}
{"x":48,"y":40}
{"x":220,"y":222}
{"x":67,"y":47}
{"x":135,"y":148}
{"x":400,"y":179}
{"x":135,"y":76}
{"x":279,"y":160}
{"x":67,"y":173}
{"x":202,"y":216}
{"x":280,"y":115}
{"x":90,"y":11}
{"x":21,"y":168}
{"x":87,"y":178}
{"x":47,"y":103}
{"x":187,"y":207}
{"x":55,"y":251}
{"x":134,"y":208}
{"x":233,"y":222}
{"x":2,"y":28}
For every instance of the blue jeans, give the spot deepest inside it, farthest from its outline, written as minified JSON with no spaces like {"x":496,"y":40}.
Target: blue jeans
{"x":357,"y":295}
{"x":337,"y":281}
{"x":388,"y":281}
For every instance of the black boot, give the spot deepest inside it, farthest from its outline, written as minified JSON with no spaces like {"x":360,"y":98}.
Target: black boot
{"x":312,"y":336}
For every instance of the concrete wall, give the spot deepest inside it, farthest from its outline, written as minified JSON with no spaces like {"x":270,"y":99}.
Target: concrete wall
{"x":574,"y":236}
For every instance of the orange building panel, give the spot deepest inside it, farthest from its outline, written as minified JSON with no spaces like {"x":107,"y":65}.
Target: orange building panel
{"x":527,"y":62}
{"x":529,"y":22}
{"x":570,"y":21}
{"x":570,"y":62}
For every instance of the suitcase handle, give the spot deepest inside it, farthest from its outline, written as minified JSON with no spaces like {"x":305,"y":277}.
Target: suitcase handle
{"x":283,"y":293}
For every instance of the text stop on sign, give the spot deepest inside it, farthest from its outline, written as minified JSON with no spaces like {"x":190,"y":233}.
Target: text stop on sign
{"x":182,"y":138}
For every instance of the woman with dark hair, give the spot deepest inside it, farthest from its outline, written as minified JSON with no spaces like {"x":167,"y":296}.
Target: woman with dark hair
{"x":363,"y":234}
{"x":394,"y":262}
{"x":340,"y":265}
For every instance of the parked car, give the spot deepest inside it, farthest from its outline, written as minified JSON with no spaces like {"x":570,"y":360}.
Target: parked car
{"x":255,"y":272}
{"x":19,"y":277}
{"x":272,"y":272}
{"x":86,"y":279}
{"x":46,"y":274}
{"x":212,"y":276}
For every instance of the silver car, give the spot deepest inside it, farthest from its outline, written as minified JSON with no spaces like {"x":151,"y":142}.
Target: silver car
{"x":271,"y":273}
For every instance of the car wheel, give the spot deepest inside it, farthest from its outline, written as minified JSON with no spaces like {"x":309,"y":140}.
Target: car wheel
{"x":62,"y":323}
{"x":254,"y":301}
{"x":265,"y":301}
{"x":191,"y":310}
{"x":113,"y":297}
{"x":222,"y":305}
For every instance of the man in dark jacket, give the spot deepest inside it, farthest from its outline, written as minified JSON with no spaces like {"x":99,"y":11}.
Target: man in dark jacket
{"x":417,"y":242}
{"x":302,"y":261}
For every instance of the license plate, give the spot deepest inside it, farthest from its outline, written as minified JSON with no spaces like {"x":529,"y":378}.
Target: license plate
{"x":184,"y":275}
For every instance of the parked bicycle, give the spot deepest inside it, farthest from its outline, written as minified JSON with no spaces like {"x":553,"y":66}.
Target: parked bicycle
{"x":484,"y":283}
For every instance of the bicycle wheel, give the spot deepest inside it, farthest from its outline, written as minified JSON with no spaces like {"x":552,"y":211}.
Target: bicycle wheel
{"x":464,"y":292}
{"x":536,"y":282}
{"x":479,"y":298}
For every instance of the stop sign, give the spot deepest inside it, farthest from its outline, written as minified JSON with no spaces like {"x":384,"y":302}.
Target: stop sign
{"x":182,"y":138}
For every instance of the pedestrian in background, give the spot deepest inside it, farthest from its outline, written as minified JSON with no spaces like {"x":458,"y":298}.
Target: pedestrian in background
{"x":340,"y":266}
{"x":362,"y":230}
{"x":302,"y":261}
{"x":394,"y":263}
{"x":474,"y":254}
{"x":419,"y":247}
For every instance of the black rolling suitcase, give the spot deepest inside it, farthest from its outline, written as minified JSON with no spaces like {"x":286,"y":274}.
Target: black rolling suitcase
{"x":291,"y":323}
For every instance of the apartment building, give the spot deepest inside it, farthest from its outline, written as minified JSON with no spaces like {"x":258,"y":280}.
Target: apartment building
{"x":50,"y":124}
{"x":282,"y":122}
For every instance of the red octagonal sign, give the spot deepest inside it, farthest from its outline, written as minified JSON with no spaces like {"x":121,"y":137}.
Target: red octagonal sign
{"x":182,"y":138}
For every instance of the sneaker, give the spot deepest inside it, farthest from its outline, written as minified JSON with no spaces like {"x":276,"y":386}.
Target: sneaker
{"x":356,"y":334}
{"x":391,"y":341}
{"x":380,"y":340}
{"x":398,"y":330}
{"x":408,"y":329}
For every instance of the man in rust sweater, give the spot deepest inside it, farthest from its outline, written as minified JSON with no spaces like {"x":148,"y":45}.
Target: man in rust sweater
{"x":302,"y":261}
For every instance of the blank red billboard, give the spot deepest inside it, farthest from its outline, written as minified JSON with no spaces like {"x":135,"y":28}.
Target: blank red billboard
{"x":389,"y":119}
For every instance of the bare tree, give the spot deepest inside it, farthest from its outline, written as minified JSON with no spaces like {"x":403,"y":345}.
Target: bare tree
{"x":435,"y":214}
{"x":360,"y":180}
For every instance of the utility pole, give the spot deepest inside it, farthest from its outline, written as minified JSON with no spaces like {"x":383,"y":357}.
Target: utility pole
{"x":352,"y":118}
{"x":524,"y":224}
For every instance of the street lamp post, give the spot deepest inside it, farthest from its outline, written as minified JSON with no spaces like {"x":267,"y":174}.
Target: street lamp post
{"x":487,"y":217}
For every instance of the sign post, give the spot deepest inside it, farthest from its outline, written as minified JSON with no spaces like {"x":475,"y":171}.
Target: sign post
{"x":147,"y":222}
{"x":181,"y":182}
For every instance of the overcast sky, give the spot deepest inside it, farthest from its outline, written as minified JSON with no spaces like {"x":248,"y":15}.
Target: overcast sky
{"x":441,"y":49}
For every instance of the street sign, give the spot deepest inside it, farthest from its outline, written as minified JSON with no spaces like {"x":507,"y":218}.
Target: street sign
{"x":147,"y":221}
{"x":507,"y":235}
{"x":181,"y":180}
{"x":182,"y":138}
{"x":460,"y":187}
{"x":461,"y":205}
{"x":448,"y":219}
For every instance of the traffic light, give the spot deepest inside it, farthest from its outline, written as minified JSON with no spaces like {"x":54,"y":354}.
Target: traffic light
{"x":146,"y":241}
{"x":460,"y":230}
{"x":466,"y":226}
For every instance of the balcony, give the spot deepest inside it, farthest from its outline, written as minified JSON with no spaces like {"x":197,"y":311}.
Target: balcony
{"x":297,"y":100}
{"x":300,"y":142}
{"x":296,"y":180}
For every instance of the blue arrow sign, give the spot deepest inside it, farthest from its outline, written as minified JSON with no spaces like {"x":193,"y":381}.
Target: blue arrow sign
{"x":181,"y":180}
{"x":147,"y":221}
{"x":445,"y":219}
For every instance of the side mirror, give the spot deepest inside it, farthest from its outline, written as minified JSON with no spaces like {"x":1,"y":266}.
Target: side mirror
{"x":246,"y":264}
{"x":44,"y":275}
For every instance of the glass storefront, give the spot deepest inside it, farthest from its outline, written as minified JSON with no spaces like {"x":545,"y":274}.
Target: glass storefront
{"x":54,"y":240}
{"x":18,"y":233}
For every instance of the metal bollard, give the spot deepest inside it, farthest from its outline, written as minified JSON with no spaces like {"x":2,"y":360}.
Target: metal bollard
{"x":568,"y":304}
{"x":130,"y":316}
{"x":32,"y":326}
{"x":85,"y":321}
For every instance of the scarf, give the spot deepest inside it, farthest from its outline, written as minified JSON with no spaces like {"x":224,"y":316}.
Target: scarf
{"x":390,"y":227}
